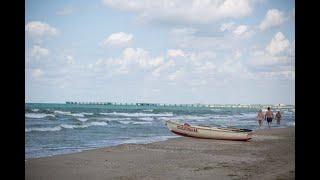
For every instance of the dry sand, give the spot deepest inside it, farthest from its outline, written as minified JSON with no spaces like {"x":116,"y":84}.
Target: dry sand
{"x":269,"y":155}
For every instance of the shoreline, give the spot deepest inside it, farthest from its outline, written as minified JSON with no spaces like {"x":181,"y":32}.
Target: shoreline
{"x":270,"y":154}
{"x":177,"y":136}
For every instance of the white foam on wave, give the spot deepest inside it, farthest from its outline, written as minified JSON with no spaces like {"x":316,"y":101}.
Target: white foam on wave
{"x":72,"y":126}
{"x":138,"y":114}
{"x":82,"y":119}
{"x":37,"y":115}
{"x":56,"y":128}
{"x":77,"y":115}
{"x":34,"y":110}
{"x":98,"y":123}
{"x":67,"y":126}
{"x":81,"y":114}
{"x":146,"y":118}
{"x":62,"y":112}
{"x":85,"y":113}
{"x":141,"y":123}
{"x":125,"y":122}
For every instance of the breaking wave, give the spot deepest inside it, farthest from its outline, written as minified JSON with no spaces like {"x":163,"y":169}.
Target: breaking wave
{"x":37,"y":115}
{"x":67,"y":126}
{"x":138,"y":114}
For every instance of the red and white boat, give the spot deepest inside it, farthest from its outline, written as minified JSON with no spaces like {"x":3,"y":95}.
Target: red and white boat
{"x":209,"y":132}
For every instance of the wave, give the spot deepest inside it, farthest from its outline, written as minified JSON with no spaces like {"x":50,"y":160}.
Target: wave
{"x":56,"y":128}
{"x":82,"y":114}
{"x":138,"y":114}
{"x":71,"y":126}
{"x":85,"y":113}
{"x":77,"y":115}
{"x":34,"y":110}
{"x":67,"y":126}
{"x":82,"y":119}
{"x":146,"y":118}
{"x":37,"y":115}
{"x":141,"y":123}
{"x":62,"y":112}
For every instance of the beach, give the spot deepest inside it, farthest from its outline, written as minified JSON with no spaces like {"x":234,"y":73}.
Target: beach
{"x":270,"y":154}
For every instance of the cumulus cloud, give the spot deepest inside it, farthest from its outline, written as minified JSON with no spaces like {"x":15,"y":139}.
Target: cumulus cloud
{"x":118,"y":39}
{"x":134,"y":60}
{"x":175,"y":53}
{"x":240,"y":30}
{"x":261,"y":58}
{"x":273,"y":18}
{"x":227,"y":26}
{"x":40,"y":29}
{"x":278,"y":44}
{"x":36,"y":73}
{"x":193,"y":11}
{"x":38,"y":52}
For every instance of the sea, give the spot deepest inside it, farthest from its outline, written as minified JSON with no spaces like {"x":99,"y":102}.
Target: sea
{"x":52,"y":129}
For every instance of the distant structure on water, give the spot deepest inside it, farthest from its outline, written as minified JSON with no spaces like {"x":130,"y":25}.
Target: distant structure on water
{"x":176,"y":106}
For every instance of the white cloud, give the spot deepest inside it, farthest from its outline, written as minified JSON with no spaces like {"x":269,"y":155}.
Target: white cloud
{"x":134,"y":60}
{"x":185,"y":11}
{"x":278,"y":44}
{"x":118,"y":39}
{"x":240,"y":30}
{"x":38,"y":52}
{"x":36,"y":73}
{"x":39,"y":29}
{"x":227,"y":26}
{"x":264,"y":59}
{"x":273,"y":18}
{"x":70,"y":59}
{"x":165,"y":66}
{"x":175,"y":53}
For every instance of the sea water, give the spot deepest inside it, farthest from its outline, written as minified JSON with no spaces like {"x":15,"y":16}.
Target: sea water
{"x":52,"y":129}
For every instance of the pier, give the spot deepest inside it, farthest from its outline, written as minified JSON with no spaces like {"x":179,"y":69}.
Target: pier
{"x":179,"y":106}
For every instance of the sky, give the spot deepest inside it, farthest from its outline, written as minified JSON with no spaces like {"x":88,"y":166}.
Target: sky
{"x":177,"y":51}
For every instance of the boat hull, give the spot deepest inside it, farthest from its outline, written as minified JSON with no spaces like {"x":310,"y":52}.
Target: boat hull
{"x":208,"y":132}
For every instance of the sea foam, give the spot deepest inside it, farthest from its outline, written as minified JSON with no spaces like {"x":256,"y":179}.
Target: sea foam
{"x":37,"y":115}
{"x":138,"y":114}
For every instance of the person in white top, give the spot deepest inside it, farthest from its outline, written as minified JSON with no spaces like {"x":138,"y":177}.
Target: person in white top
{"x":260,"y":118}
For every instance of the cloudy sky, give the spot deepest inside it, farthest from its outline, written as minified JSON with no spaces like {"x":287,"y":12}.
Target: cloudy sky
{"x":164,"y":51}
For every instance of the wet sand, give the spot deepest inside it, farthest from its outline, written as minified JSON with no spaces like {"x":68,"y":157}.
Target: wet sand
{"x":269,"y":155}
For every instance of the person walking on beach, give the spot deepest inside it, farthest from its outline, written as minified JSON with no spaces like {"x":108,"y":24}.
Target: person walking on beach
{"x":278,"y":117}
{"x":269,"y":116}
{"x":260,"y":118}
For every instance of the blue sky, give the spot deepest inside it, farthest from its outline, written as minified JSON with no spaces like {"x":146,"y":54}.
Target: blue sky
{"x":211,"y":52}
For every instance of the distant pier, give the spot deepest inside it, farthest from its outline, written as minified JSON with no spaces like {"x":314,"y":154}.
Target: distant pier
{"x":161,"y":105}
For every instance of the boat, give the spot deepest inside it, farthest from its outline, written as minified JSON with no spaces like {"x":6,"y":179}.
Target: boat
{"x":209,"y":132}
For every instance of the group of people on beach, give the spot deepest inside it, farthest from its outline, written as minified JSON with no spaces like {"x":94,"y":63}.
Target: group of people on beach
{"x":268,"y":116}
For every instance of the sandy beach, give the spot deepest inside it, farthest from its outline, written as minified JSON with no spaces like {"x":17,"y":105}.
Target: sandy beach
{"x":269,"y":155}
